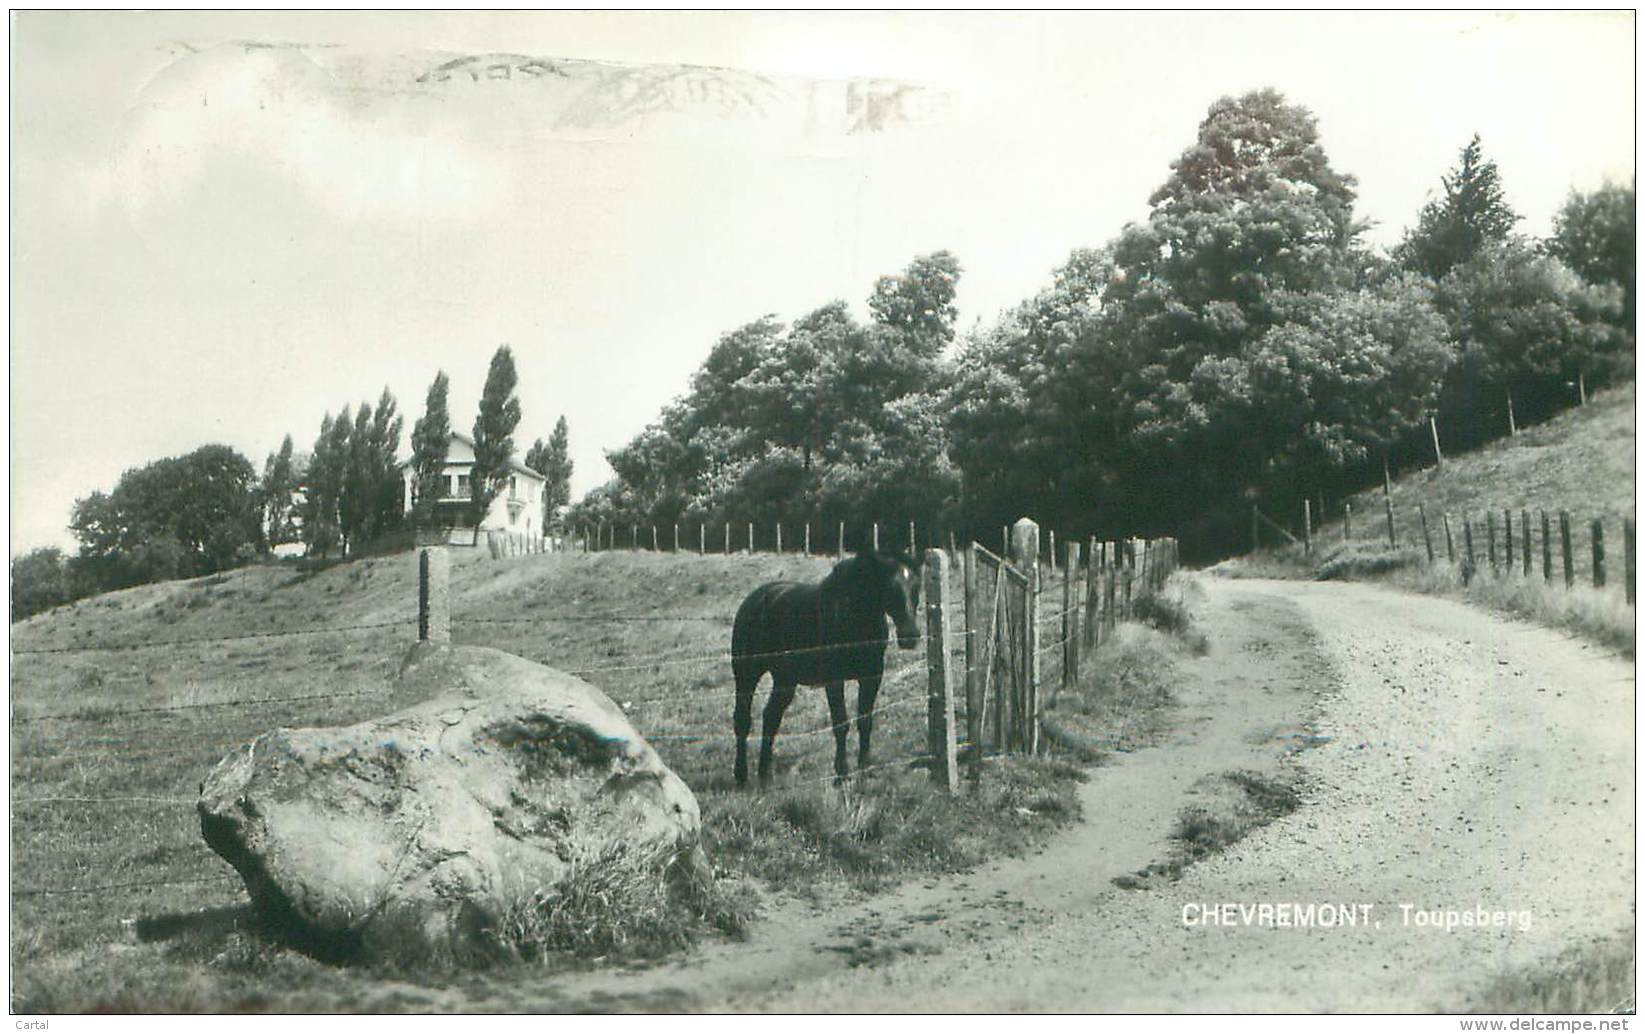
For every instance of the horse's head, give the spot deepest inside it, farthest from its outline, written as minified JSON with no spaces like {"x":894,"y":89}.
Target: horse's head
{"x":901,"y":595}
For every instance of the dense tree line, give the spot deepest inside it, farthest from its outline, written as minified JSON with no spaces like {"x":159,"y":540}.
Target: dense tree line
{"x":1240,"y":345}
{"x":827,"y":419}
{"x":174,"y":518}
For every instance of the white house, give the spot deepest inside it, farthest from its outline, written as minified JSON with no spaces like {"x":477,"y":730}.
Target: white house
{"x":517,"y":508}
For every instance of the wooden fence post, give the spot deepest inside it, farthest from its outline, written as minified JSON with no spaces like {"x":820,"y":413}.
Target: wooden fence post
{"x":1513,"y":428}
{"x":779,"y":538}
{"x":1110,"y":612}
{"x":1450,"y":543}
{"x":1628,"y":558}
{"x":1597,"y":534}
{"x":876,"y":539}
{"x":1490,"y":538}
{"x":1388,"y":505}
{"x":1547,"y":550}
{"x":1468,"y":539}
{"x":1347,"y":521}
{"x":1525,"y":541}
{"x":1025,"y":553}
{"x":973,"y":657}
{"x":750,"y":538}
{"x":841,"y":551}
{"x":1071,"y":616}
{"x":1130,"y":573}
{"x":1088,"y":626}
{"x":807,"y":538}
{"x":1427,"y":540}
{"x":702,"y":539}
{"x":1565,"y":547}
{"x":1307,"y":528}
{"x":913,"y":547}
{"x":727,"y":538}
{"x":1439,"y":460}
{"x":939,"y":697}
{"x":676,"y":538}
{"x":433,"y":595}
{"x":1508,"y":540}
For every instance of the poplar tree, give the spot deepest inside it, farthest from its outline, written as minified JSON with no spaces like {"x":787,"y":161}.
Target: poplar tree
{"x":494,"y":434}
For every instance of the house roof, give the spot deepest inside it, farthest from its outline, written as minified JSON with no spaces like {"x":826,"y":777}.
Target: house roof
{"x":515,"y":465}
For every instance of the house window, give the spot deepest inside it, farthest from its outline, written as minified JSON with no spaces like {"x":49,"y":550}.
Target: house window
{"x":462,"y":484}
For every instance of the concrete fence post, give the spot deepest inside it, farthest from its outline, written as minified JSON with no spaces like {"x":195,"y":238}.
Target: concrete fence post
{"x":433,"y":595}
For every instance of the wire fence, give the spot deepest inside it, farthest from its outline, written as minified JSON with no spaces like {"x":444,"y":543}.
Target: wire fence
{"x":1503,"y":541}
{"x":37,"y":758}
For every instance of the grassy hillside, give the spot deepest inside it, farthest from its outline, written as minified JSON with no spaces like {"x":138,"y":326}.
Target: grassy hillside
{"x":1581,"y":462}
{"x":122,"y":703}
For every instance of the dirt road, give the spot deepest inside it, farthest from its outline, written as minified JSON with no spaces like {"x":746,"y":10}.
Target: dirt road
{"x":1451,"y":761}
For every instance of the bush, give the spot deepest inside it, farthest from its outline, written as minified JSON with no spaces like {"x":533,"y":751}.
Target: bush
{"x":1363,"y":561}
{"x":39,"y":581}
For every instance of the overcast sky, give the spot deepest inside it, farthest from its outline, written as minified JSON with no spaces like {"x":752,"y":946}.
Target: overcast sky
{"x":220,"y":242}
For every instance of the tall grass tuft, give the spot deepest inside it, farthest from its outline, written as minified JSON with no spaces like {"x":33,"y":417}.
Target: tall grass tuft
{"x":618,"y":901}
{"x":1600,"y":615}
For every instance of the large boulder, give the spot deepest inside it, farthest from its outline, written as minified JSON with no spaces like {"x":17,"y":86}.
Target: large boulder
{"x":428,"y":829}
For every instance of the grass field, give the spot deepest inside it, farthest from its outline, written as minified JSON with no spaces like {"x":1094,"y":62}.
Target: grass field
{"x":123,"y":702}
{"x":1581,"y":462}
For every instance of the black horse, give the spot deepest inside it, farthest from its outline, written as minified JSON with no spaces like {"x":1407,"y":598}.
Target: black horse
{"x":822,"y":635}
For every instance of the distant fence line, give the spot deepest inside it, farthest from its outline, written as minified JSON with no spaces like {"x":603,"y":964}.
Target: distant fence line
{"x":1533,"y":539}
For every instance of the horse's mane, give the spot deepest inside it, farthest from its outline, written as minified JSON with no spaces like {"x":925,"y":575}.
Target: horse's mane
{"x":861,"y":567}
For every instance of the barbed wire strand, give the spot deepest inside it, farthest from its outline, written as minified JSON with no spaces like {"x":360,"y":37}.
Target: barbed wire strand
{"x":166,"y":709}
{"x":115,"y":647}
{"x":26,"y":892}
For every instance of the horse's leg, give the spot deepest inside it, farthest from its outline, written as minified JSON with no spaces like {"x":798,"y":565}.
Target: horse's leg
{"x":867,"y":690}
{"x":742,"y":718}
{"x":781,"y":697}
{"x":842,"y":725}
